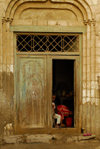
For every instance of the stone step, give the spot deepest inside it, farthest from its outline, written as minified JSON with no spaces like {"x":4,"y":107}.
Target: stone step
{"x":44,"y":138}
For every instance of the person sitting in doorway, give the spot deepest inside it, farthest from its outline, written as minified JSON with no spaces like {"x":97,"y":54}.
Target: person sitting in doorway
{"x":55,"y":115}
{"x":64,"y":108}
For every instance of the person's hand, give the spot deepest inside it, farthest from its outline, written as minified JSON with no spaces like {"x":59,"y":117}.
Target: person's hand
{"x":53,"y":105}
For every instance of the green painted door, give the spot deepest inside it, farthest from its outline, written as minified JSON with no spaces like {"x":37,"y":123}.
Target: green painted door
{"x":31,"y":78}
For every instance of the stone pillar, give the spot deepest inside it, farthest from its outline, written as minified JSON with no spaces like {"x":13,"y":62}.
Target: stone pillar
{"x":8,"y":56}
{"x":89,"y":83}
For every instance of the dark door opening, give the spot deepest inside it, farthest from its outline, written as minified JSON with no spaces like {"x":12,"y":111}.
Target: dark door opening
{"x":63,"y":90}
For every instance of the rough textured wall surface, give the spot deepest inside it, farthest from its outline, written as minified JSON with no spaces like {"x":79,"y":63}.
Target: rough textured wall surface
{"x":6,"y":76}
{"x":97,"y":13}
{"x":91,"y":92}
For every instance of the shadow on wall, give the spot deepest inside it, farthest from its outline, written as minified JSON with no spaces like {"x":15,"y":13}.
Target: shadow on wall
{"x":6,"y":115}
{"x":8,"y":84}
{"x":6,"y":100}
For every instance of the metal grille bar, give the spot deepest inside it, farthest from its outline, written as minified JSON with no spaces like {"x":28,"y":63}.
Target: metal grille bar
{"x":47,"y":43}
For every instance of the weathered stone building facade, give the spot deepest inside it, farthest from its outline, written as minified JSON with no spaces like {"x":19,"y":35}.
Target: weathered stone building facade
{"x":50,"y":17}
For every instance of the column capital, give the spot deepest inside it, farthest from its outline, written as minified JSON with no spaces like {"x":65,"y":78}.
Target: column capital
{"x":89,"y":22}
{"x":7,"y":20}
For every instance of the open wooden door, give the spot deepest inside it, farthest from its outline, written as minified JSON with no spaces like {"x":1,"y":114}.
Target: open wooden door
{"x":77,"y":93}
{"x":30,"y":92}
{"x":66,"y":86}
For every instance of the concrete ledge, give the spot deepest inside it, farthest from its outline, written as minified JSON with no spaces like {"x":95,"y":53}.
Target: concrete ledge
{"x":44,"y":138}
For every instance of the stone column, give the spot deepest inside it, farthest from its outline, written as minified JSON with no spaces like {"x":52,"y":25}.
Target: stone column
{"x":7,"y":58}
{"x":89,"y":77}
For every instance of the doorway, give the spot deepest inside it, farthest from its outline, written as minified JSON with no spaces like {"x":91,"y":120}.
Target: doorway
{"x":63,"y":89}
{"x":42,"y":72}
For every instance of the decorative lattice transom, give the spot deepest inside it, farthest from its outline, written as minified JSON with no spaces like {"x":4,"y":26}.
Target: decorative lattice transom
{"x":46,"y":42}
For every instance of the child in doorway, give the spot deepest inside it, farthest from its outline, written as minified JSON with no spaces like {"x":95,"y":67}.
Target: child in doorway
{"x":55,"y":115}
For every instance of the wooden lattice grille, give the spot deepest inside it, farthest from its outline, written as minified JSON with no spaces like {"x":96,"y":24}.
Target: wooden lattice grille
{"x":46,"y":42}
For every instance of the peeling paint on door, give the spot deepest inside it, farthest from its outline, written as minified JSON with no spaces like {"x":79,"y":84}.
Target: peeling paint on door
{"x":31,"y":87}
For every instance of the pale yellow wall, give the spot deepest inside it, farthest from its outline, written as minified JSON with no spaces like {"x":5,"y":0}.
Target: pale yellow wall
{"x":6,"y":60}
{"x":90,"y":105}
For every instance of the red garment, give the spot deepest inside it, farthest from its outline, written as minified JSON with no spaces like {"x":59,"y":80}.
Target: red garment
{"x":69,"y":121}
{"x":63,"y":111}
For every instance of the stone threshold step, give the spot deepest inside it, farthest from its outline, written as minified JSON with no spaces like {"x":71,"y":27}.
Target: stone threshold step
{"x":44,"y":138}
